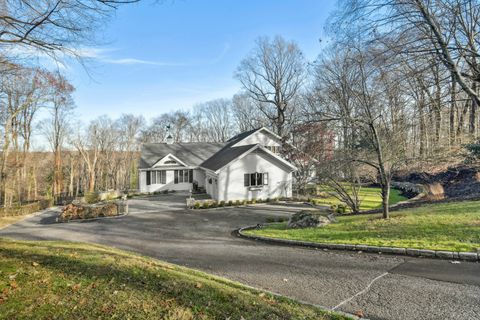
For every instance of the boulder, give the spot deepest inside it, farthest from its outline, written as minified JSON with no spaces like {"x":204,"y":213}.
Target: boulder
{"x":308,"y":219}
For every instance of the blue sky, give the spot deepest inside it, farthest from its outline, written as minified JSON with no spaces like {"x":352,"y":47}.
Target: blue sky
{"x":155,"y":58}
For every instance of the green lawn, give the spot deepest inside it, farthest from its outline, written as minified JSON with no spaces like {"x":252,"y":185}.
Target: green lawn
{"x":370,"y":197}
{"x":60,"y":280}
{"x":450,"y":226}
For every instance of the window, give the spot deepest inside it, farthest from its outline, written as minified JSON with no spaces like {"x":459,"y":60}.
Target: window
{"x":183,"y":176}
{"x":156,"y":177}
{"x":255,"y":179}
{"x":274,"y":149}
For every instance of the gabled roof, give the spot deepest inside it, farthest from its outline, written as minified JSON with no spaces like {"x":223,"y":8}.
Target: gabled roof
{"x":242,"y":136}
{"x":225,"y":156}
{"x":228,"y":155}
{"x":192,"y":154}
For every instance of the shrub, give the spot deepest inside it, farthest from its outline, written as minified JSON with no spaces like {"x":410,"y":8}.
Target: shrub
{"x":213,"y":204}
{"x":92,"y":197}
{"x":341,"y":208}
{"x":253,"y":201}
{"x":270,"y":219}
{"x":221,"y":204}
{"x":196,"y":205}
{"x":268,"y":200}
{"x":205,"y":205}
{"x":244,"y":202}
{"x":237,"y":202}
{"x":230,"y":203}
{"x":165,"y":191}
{"x":280,"y":219}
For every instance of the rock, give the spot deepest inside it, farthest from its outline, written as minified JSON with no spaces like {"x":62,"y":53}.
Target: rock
{"x":308,"y":219}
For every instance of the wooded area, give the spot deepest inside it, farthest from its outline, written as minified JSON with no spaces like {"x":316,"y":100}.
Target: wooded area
{"x":395,"y":87}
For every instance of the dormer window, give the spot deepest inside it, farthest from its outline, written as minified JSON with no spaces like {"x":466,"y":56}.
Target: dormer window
{"x":274,"y":149}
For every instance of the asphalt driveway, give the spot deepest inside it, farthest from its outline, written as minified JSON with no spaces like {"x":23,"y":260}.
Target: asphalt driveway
{"x":381,"y":286}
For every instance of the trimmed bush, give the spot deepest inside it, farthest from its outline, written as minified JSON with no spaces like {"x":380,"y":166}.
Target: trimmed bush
{"x":268,"y":200}
{"x":196,"y":205}
{"x":205,"y":205}
{"x":221,"y":204}
{"x":213,"y":204}
{"x":92,"y":197}
{"x":230,"y":203}
{"x":237,"y":202}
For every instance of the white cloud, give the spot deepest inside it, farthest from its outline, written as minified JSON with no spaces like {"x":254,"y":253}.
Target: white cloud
{"x":132,"y":61}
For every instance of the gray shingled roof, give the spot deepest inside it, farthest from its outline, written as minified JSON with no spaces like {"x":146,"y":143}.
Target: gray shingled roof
{"x":225,"y":156}
{"x":192,"y":153}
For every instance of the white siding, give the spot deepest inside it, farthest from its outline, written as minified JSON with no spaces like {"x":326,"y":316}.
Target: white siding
{"x":169,"y":185}
{"x":211,"y":188}
{"x":260,"y":137}
{"x":231,"y":183}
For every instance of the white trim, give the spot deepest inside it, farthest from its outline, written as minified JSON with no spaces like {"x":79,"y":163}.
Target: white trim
{"x":255,"y":147}
{"x":171,"y":156}
{"x":278,"y":158}
{"x":258,"y":130}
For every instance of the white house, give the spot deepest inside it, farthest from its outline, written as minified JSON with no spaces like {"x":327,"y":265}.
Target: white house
{"x":248,"y":166}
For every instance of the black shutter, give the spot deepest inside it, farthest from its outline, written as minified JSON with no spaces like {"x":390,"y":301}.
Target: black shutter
{"x":175,"y":178}
{"x":246,"y":180}
{"x":148,"y":177}
{"x":190,"y":176}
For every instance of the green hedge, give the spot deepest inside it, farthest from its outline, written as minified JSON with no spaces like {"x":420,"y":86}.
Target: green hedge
{"x":25,"y":209}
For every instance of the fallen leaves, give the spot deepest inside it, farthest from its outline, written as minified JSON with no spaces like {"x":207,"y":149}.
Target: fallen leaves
{"x":35,"y":264}
{"x":75,"y":287}
{"x":359,"y":313}
{"x":13,"y":284}
{"x":198,"y":285}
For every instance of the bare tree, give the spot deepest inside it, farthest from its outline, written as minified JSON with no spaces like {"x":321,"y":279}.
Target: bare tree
{"x":57,"y":127}
{"x":53,"y":26}
{"x":272,"y":76}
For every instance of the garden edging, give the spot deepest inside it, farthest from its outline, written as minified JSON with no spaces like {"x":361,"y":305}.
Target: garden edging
{"x":439,"y":254}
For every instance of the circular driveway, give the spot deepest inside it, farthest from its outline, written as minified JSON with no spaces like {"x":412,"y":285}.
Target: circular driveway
{"x":381,"y":286}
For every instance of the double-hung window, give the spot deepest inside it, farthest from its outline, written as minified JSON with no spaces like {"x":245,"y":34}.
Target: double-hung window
{"x":183,"y":176}
{"x":256,"y":179}
{"x":156,"y":177}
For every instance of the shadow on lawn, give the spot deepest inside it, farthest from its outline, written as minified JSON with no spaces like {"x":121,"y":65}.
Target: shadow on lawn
{"x":170,"y":282}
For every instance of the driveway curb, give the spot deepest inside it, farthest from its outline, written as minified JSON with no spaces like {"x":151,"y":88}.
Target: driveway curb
{"x":448,"y":255}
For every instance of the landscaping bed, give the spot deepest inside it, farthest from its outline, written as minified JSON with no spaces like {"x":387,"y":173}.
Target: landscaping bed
{"x":78,"y":211}
{"x":51,"y":280}
{"x":451,"y":226}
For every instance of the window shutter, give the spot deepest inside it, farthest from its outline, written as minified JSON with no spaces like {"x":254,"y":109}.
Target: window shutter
{"x":246,"y":179}
{"x":148,"y":177}
{"x":190,"y":176}
{"x":265,"y":178}
{"x":175,"y":178}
